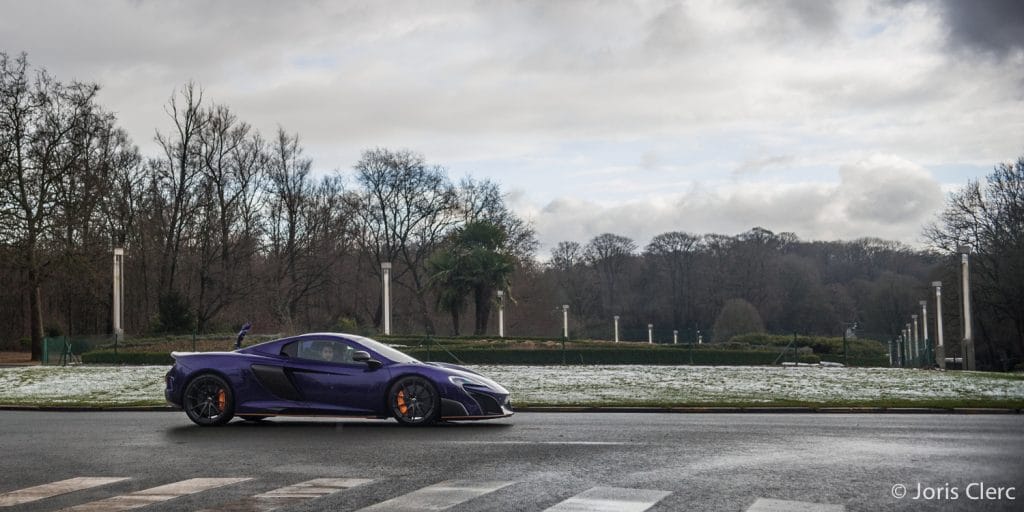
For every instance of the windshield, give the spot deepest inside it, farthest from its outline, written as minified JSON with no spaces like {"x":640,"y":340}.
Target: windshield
{"x":384,"y":350}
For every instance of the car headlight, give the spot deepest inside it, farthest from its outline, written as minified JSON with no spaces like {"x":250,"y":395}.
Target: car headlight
{"x":459,"y":380}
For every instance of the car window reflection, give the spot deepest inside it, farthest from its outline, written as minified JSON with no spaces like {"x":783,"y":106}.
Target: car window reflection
{"x":326,"y":351}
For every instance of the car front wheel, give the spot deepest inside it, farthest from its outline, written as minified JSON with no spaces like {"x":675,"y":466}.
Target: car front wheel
{"x":414,"y":401}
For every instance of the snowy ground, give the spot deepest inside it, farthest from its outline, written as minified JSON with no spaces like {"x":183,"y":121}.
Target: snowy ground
{"x":580,"y":385}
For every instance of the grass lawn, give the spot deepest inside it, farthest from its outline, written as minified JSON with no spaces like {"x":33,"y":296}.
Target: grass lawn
{"x":620,"y":385}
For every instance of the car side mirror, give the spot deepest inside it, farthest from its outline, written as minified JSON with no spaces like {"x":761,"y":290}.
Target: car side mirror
{"x":362,"y":356}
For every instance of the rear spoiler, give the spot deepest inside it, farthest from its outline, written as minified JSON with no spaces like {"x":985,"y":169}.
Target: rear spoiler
{"x":241,"y":335}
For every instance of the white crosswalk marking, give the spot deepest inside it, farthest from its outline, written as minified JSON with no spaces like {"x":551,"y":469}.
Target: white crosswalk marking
{"x":439,"y":496}
{"x":39,"y":492}
{"x":291,"y":495}
{"x":611,"y":499}
{"x":155,"y":494}
{"x":770,"y":505}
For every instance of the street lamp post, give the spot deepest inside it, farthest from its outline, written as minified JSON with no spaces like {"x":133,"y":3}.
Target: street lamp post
{"x":924,"y":329}
{"x":501,"y":313}
{"x":940,"y":350}
{"x":899,"y":348}
{"x":565,"y":328}
{"x":904,"y":349}
{"x":909,"y":343}
{"x":385,"y":276}
{"x":917,"y":341}
{"x":965,"y":273}
{"x":118,"y":312}
{"x":650,"y":333}
{"x":616,"y":328}
{"x":675,"y":337}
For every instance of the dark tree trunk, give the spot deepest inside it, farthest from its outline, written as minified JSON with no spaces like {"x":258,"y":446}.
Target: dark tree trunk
{"x":482,"y":297}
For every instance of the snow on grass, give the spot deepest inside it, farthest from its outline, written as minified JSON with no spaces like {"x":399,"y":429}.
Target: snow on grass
{"x":87,"y":386}
{"x":98,"y":386}
{"x":705,"y":385}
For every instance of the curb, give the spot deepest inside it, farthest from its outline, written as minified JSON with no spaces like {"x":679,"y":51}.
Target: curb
{"x":632,"y":410}
{"x":54,"y":408}
{"x":769,"y":410}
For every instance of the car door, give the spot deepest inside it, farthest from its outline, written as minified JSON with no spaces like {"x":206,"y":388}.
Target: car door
{"x":331,"y":382}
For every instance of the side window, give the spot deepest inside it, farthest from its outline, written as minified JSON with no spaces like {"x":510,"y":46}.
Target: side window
{"x":291,"y":349}
{"x":328,"y":351}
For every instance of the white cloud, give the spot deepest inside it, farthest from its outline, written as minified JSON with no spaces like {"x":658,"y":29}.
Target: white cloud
{"x":630,"y":117}
{"x":880,"y":196}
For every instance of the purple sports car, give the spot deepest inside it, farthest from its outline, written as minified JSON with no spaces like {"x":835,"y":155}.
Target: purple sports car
{"x":328,"y":374}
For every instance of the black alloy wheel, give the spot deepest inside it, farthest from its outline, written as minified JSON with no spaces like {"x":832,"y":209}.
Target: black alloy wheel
{"x":414,"y":401}
{"x":209,"y":401}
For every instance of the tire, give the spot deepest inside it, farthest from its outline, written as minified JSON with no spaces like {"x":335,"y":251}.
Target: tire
{"x":208,"y":400}
{"x":414,"y":401}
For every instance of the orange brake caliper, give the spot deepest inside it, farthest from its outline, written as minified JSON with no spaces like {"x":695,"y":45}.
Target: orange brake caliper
{"x":400,"y":399}
{"x":222,"y":400}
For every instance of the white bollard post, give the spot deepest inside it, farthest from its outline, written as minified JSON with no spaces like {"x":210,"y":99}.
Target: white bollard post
{"x":616,"y":328}
{"x":565,"y":321}
{"x":650,"y":333}
{"x":675,"y":337}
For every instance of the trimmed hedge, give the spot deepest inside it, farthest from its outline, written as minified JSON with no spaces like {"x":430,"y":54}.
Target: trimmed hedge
{"x":524,"y":357}
{"x":109,"y":357}
{"x":606,"y":356}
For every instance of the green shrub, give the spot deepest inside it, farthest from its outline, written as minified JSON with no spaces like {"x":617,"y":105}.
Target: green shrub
{"x":109,"y":357}
{"x":175,"y":314}
{"x":656,"y":356}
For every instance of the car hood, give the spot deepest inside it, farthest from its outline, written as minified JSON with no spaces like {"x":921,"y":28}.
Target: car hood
{"x":461,"y":371}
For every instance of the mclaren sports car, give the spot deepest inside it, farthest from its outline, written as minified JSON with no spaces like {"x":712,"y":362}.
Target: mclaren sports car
{"x":328,"y":374}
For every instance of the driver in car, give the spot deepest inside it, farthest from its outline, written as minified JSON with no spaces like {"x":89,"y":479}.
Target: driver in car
{"x":327,"y":353}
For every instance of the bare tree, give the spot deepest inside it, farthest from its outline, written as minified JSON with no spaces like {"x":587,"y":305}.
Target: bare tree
{"x":233,"y":165}
{"x":484,"y":201}
{"x":609,"y":254}
{"x":38,"y":117}
{"x":405,"y":210}
{"x":673,"y":254}
{"x":175,"y":178}
{"x":988,"y":217}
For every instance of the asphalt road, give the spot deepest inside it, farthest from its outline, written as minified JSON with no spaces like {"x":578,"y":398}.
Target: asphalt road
{"x":530,"y":461}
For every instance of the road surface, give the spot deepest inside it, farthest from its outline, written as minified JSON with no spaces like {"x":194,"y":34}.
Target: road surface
{"x":530,"y":462}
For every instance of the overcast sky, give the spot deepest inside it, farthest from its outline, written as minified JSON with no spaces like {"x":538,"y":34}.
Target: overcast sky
{"x":831,"y":120}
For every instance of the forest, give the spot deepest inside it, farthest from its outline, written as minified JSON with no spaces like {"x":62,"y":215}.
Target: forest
{"x":226,"y":225}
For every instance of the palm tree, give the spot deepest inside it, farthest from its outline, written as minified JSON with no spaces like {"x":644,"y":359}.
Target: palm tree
{"x":474,"y":260}
{"x":445,"y":277}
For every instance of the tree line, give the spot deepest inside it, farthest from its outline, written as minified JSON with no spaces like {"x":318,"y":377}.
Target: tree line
{"x":225,"y":224}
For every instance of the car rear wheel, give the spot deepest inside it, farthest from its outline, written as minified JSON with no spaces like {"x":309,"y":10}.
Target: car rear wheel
{"x":209,"y":401}
{"x":414,"y":401}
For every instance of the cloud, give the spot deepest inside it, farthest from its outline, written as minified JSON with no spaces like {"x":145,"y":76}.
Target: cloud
{"x":349,"y":76}
{"x":880,"y":196}
{"x":888,"y":190}
{"x":756,"y":165}
{"x":994,"y":27}
{"x":635,"y":117}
